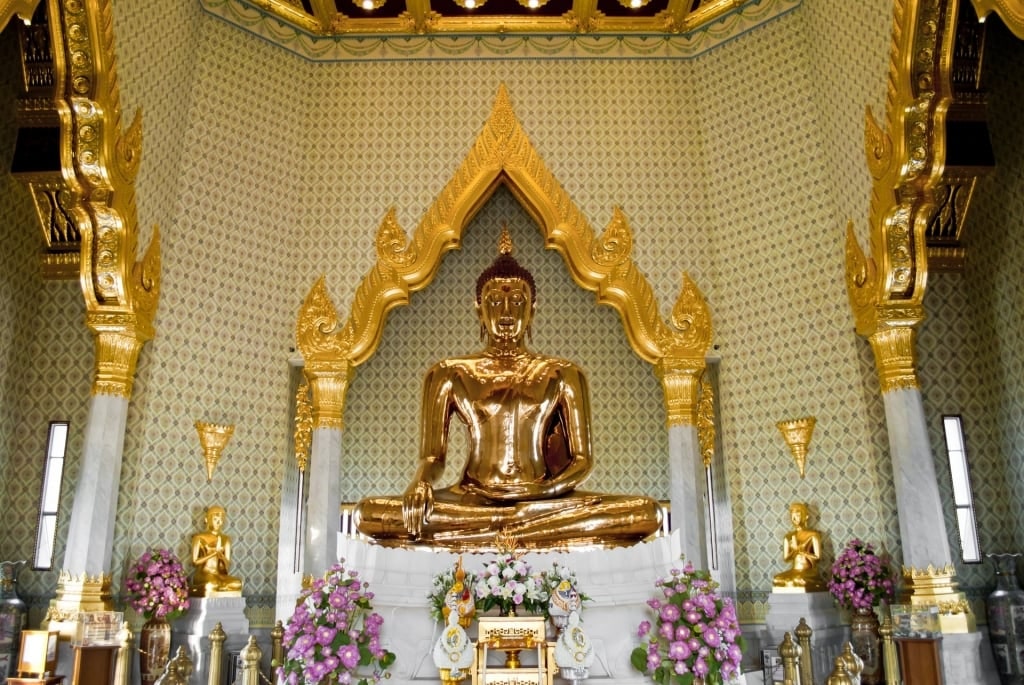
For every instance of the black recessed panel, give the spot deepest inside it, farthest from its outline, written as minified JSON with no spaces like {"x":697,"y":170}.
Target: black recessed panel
{"x":36,"y":150}
{"x":968,"y":144}
{"x":502,"y":8}
{"x":613,"y":8}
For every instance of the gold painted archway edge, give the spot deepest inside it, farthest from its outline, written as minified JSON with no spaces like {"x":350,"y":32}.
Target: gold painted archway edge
{"x":502,"y":154}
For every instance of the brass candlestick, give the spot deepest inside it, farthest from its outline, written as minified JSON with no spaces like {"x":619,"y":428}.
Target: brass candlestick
{"x":797,"y":434}
{"x":213,"y":438}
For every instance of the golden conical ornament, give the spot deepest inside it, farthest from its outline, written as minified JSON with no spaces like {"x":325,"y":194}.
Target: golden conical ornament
{"x":213,"y":438}
{"x":797,"y":434}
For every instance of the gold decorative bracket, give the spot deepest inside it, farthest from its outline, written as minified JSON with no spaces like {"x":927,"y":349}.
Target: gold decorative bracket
{"x":503,"y":155}
{"x":797,"y":434}
{"x":213,"y":438}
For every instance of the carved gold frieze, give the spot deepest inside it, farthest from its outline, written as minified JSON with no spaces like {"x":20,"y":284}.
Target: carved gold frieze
{"x":303,"y":426}
{"x":706,"y":421}
{"x":503,"y":155}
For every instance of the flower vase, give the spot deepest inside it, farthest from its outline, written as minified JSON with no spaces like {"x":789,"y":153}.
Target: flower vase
{"x":1005,"y":610}
{"x":13,"y":615}
{"x":867,"y":644}
{"x":154,"y":648}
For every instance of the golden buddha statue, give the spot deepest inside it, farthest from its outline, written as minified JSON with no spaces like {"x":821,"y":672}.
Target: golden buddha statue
{"x":211,"y":556}
{"x":801,"y":549}
{"x":529,"y":444}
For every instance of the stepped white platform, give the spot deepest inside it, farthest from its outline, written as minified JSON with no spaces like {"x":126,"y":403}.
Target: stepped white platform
{"x":618,"y":581}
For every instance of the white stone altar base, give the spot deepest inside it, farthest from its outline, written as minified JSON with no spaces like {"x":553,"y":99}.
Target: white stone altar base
{"x":618,"y":581}
{"x":829,"y":634}
{"x":967,"y":658}
{"x":193,"y":631}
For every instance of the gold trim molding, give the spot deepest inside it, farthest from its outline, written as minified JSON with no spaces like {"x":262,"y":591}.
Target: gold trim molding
{"x":503,"y":155}
{"x":1010,"y":11}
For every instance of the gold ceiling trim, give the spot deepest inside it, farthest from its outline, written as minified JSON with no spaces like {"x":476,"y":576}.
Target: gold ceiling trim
{"x":503,"y":155}
{"x":23,"y":8}
{"x":421,"y":32}
{"x":99,"y":162}
{"x":1010,"y":11}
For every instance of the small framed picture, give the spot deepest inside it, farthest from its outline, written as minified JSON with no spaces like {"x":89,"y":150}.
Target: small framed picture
{"x":771,"y":666}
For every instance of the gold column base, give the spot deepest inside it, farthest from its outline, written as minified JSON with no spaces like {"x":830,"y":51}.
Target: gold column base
{"x":937,"y":587}
{"x":76,"y":594}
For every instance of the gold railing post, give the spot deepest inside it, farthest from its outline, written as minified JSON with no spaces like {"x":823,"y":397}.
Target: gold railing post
{"x":123,"y":669}
{"x":251,"y":655}
{"x":790,"y":653}
{"x":803,"y":634}
{"x":217,"y":637}
{"x":277,"y":645}
{"x":889,"y":658}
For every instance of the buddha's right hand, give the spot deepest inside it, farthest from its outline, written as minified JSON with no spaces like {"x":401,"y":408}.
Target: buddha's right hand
{"x":417,"y":505}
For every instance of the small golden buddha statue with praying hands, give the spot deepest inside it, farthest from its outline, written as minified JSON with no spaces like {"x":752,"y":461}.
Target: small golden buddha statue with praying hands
{"x":528,"y":419}
{"x":211,"y":556}
{"x":802,"y":549}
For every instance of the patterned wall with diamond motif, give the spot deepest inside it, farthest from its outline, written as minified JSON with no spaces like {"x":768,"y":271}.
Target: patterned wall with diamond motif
{"x":265,"y":171}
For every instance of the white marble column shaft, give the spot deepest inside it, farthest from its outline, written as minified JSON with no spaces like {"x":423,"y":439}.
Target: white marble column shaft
{"x":323,"y":510}
{"x":686,"y":492}
{"x":919,"y":506}
{"x":94,"y":510}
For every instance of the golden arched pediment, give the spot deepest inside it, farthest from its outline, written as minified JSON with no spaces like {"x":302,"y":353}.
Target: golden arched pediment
{"x":503,"y":155}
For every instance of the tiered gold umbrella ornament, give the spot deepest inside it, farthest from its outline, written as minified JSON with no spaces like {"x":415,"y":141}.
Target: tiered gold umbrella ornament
{"x":797,"y":434}
{"x":213,"y":438}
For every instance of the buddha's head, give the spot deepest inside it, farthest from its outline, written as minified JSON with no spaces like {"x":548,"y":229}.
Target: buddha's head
{"x":215,"y":516}
{"x":505,"y":296}
{"x":798,"y":514}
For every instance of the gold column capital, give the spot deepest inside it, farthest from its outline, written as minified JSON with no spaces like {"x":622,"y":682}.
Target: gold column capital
{"x":680,"y":381}
{"x":895,"y":357}
{"x":118,"y":340}
{"x":328,"y":381}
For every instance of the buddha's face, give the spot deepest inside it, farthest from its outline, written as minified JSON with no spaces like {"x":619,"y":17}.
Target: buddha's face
{"x":215,"y":519}
{"x":798,"y":515}
{"x":506,"y":308}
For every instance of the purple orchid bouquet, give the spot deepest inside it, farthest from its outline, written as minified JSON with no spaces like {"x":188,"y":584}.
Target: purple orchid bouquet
{"x":860,"y":577}
{"x":509,"y":582}
{"x":697,"y":633}
{"x":334,"y":630}
{"x":158,"y":585}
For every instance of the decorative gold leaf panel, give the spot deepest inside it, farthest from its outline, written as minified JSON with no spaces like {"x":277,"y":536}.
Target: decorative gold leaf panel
{"x":503,"y":155}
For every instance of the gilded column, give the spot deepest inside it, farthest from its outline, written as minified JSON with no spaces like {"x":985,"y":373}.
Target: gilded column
{"x":328,"y":382}
{"x":907,"y":158}
{"x":98,"y":164}
{"x":680,"y":381}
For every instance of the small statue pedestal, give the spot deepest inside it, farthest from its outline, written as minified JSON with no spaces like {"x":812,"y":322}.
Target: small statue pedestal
{"x":193,"y":631}
{"x":785,"y":609}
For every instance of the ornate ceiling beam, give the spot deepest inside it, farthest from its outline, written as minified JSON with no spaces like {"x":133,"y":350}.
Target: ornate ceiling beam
{"x":85,"y":180}
{"x":23,"y":8}
{"x":907,"y":158}
{"x":1010,"y":11}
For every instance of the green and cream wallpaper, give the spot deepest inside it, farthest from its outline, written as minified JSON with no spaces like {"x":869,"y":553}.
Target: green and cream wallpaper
{"x":740,"y":166}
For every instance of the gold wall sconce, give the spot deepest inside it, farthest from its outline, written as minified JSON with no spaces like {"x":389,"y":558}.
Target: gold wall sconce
{"x":797,"y":434}
{"x":213,"y":438}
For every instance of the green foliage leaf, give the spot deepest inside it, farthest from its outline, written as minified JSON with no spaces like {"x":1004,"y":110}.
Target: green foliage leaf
{"x":639,"y":659}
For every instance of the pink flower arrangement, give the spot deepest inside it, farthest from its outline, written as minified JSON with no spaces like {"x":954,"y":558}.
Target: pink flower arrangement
{"x":334,"y":630}
{"x":157,"y":585}
{"x":696,"y":632}
{"x":861,"y":578}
